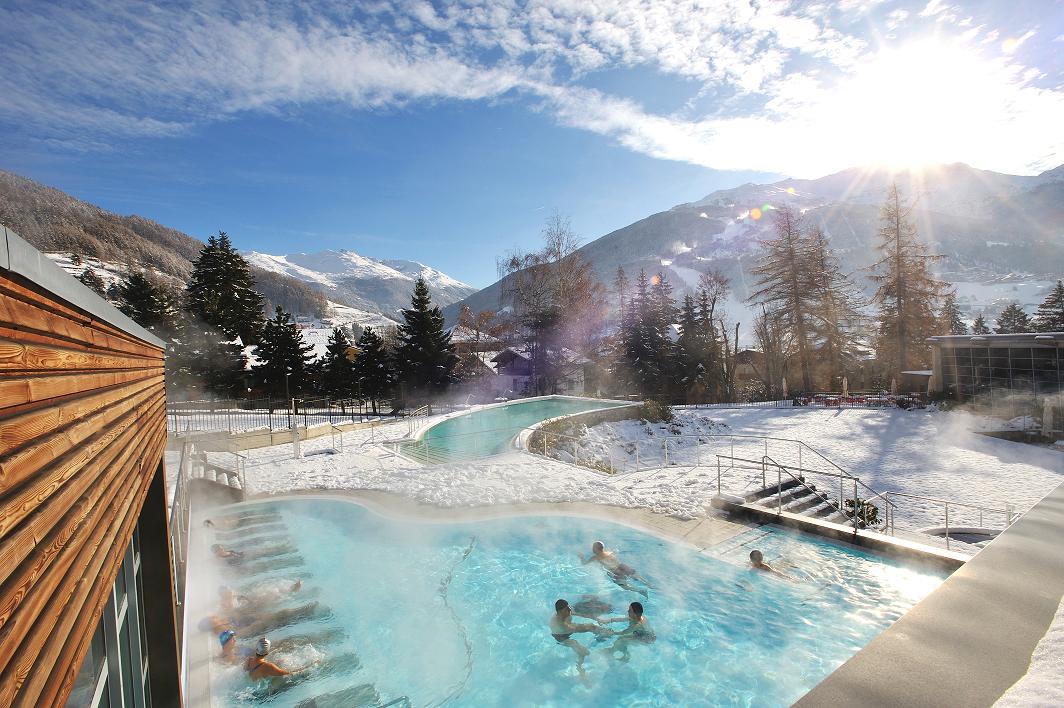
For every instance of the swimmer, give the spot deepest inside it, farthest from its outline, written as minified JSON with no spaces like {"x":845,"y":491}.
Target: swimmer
{"x":229,"y":652}
{"x":228,"y":554}
{"x":259,"y":668}
{"x":638,"y":630}
{"x":757,"y":562}
{"x":562,"y":628}
{"x":251,"y":624}
{"x":233,"y":601}
{"x":618,"y":572}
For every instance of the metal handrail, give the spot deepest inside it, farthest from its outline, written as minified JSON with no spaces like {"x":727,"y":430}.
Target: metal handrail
{"x":1007,"y":510}
{"x":779,"y":490}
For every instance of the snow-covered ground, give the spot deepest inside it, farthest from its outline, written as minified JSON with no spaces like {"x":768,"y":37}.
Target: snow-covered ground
{"x":1043,"y":685}
{"x":917,"y":452}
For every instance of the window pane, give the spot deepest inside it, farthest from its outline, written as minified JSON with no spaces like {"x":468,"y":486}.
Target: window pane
{"x":88,"y":676}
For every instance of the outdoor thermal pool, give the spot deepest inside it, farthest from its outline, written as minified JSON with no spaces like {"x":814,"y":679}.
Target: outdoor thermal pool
{"x":457,"y":613}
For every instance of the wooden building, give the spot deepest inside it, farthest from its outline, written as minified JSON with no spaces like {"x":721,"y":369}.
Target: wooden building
{"x":86,"y":593}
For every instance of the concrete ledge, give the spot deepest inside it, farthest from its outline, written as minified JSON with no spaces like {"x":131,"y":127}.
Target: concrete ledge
{"x":967,"y":642}
{"x":910,"y":551}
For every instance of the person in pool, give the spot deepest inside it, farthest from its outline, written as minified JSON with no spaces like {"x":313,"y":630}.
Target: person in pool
{"x":757,"y":562}
{"x":620,"y":573}
{"x":258,"y":668}
{"x":226,"y":554}
{"x":229,"y":651}
{"x":638,"y":630}
{"x":562,"y":628}
{"x":233,"y":601}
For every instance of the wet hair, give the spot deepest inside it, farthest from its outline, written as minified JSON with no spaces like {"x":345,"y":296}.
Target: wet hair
{"x":560,"y":605}
{"x":637,"y":608}
{"x":208,"y":522}
{"x":598,"y":545}
{"x":756,"y":556}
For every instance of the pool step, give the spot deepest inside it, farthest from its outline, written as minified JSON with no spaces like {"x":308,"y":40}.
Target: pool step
{"x":797,"y":498}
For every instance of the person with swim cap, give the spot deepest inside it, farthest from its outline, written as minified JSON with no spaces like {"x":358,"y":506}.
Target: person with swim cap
{"x":259,"y":668}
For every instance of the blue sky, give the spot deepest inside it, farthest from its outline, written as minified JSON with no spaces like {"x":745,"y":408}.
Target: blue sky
{"x":448,"y":133}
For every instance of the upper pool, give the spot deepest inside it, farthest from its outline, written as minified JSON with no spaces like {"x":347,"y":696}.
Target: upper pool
{"x":490,"y":430}
{"x":456,"y":614}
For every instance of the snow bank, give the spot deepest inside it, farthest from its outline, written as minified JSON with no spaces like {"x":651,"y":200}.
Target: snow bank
{"x":1044,"y":683}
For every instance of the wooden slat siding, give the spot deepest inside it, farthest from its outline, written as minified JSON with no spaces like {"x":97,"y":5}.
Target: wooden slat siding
{"x":84,"y":438}
{"x":82,"y":432}
{"x":83,"y":609}
{"x":22,"y":356}
{"x":23,"y":310}
{"x":61,"y":550}
{"x":44,"y":533}
{"x":22,"y":429}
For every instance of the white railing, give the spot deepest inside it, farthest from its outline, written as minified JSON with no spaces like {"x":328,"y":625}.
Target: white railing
{"x":1006,"y":510}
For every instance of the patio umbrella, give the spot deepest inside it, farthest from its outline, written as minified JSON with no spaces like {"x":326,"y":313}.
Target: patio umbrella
{"x":785,"y":387}
{"x":845,"y":386}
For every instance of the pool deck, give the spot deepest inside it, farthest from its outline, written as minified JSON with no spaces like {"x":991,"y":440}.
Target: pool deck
{"x":971,"y":639}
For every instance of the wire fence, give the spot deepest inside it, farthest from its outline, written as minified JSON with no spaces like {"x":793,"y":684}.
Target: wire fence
{"x":259,"y":414}
{"x":826,"y":399}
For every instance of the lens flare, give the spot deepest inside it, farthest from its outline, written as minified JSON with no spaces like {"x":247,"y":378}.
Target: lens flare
{"x":755,"y":213}
{"x":790,"y":190}
{"x":655,"y":279}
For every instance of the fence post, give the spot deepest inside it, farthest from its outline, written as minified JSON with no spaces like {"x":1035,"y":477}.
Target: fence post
{"x":576,"y":453}
{"x":947,"y":525}
{"x":666,"y":452}
{"x":855,"y":513}
{"x":718,"y":476}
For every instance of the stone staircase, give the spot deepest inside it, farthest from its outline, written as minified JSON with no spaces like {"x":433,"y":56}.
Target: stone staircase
{"x":799,"y":497}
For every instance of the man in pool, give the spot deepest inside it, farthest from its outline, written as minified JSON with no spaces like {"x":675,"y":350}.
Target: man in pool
{"x":638,"y":630}
{"x":226,"y":554}
{"x":562,"y":628}
{"x":620,"y":573}
{"x":259,"y":668}
{"x":757,"y":562}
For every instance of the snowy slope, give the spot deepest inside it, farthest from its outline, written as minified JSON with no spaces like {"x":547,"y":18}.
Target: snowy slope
{"x":368,"y":284}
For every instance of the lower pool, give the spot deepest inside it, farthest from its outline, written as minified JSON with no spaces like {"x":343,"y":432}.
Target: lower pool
{"x":456,"y":614}
{"x":489,"y":431}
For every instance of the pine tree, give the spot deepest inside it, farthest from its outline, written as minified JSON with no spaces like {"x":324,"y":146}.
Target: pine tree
{"x":93,"y":281}
{"x":835,"y":317}
{"x":786,"y":286}
{"x":373,"y":368}
{"x":204,"y":361}
{"x":424,"y":359}
{"x":148,"y":304}
{"x":690,"y":367}
{"x":75,"y":259}
{"x":979,"y":326}
{"x":1013,"y":320}
{"x":1050,"y":314}
{"x":283,"y":357}
{"x":620,"y":289}
{"x":950,"y":316}
{"x":908,"y":294}
{"x":337,"y":368}
{"x":221,"y":291}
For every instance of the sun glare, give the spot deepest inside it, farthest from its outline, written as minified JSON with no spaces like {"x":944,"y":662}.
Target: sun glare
{"x":923,"y":103}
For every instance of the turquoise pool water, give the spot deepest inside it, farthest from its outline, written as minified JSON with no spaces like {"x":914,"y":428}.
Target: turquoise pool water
{"x":456,"y":614}
{"x":489,"y":431}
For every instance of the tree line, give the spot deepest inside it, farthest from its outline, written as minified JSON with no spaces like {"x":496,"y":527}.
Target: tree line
{"x":218,"y":322}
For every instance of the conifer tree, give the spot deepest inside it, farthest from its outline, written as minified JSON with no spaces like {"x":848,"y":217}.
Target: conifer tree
{"x":1013,"y":320}
{"x":786,"y":286}
{"x":337,"y":368}
{"x":221,"y":291}
{"x":709,"y":294}
{"x":979,"y":326}
{"x":620,"y":289}
{"x":908,"y":294}
{"x":835,"y":312}
{"x":93,"y":281}
{"x":950,"y":316}
{"x":283,"y":356}
{"x":203,"y":360}
{"x":424,"y":358}
{"x":1050,"y":314}
{"x":148,"y":304}
{"x":373,"y":368}
{"x":692,"y":376}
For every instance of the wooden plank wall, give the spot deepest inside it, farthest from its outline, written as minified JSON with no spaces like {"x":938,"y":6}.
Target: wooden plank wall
{"x":82,"y":433}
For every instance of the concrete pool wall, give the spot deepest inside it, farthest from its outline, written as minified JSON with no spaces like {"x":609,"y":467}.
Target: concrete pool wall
{"x":972,"y":638}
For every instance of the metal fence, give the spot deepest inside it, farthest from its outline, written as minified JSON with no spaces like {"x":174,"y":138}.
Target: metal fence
{"x":240,"y":415}
{"x":826,"y":399}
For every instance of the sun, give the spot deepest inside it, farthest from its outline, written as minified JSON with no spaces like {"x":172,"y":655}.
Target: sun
{"x":927,"y":102}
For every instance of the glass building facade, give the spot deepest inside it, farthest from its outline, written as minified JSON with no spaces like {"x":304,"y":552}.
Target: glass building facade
{"x":999,"y":370}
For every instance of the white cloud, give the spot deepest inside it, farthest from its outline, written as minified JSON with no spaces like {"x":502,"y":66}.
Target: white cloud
{"x":787,"y":84}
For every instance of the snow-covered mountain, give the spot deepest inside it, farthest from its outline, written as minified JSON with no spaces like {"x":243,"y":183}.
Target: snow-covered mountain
{"x":1002,"y":235}
{"x":367,"y":284}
